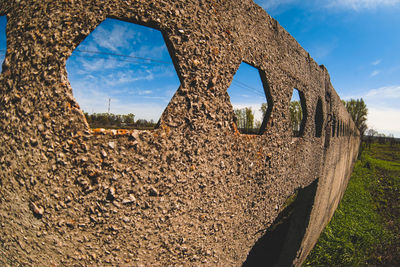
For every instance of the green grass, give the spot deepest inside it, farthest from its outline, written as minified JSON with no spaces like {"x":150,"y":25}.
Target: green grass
{"x":364,"y":229}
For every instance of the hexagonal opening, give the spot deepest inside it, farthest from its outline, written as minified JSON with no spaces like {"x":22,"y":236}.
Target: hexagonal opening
{"x":341,"y":128}
{"x":251,"y":99}
{"x":334,"y":126}
{"x":3,"y":40}
{"x":298,"y":112}
{"x":319,"y":118}
{"x":122,"y":75}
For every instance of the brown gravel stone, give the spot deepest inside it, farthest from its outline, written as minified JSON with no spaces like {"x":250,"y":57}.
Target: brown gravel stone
{"x":194,"y":190}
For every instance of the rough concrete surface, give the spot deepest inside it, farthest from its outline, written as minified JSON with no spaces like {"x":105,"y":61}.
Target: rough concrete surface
{"x":194,"y":191}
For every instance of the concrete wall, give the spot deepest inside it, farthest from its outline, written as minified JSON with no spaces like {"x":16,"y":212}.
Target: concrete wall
{"x":191,"y":192}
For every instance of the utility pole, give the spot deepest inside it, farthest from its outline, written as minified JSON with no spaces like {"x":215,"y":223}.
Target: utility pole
{"x":109,"y":103}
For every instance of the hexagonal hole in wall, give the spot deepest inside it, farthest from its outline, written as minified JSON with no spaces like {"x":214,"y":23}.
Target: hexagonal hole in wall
{"x":3,"y":40}
{"x":251,"y":99}
{"x":334,"y":126}
{"x":122,"y":76}
{"x":319,"y":118}
{"x":298,"y":112}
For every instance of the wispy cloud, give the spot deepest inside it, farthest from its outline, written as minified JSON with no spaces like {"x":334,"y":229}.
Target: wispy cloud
{"x":383,"y":97}
{"x":151,"y":51}
{"x":127,"y":76}
{"x":383,"y":108}
{"x":144,"y":103}
{"x":384,"y":120}
{"x":91,"y":64}
{"x":361,"y":4}
{"x":277,"y":6}
{"x":272,"y":5}
{"x":388,"y":92}
{"x":374,"y":73}
{"x":376,"y":62}
{"x":118,"y":37}
{"x":145,"y":92}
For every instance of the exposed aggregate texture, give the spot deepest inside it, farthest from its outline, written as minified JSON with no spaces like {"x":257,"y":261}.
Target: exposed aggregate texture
{"x":194,"y":191}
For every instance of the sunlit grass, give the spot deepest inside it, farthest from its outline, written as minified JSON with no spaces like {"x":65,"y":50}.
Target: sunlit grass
{"x":358,"y":231}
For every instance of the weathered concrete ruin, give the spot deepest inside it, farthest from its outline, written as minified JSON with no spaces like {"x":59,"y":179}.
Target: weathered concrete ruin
{"x":191,"y":192}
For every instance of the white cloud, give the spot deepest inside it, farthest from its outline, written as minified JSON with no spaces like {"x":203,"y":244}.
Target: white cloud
{"x":374,"y":73}
{"x":385,"y":120}
{"x":145,"y":92}
{"x":362,"y":4}
{"x":376,"y":62}
{"x":89,"y":99}
{"x":383,"y":109}
{"x":388,"y":92}
{"x":146,"y":103}
{"x":277,"y":6}
{"x":118,"y":37}
{"x":91,"y":66}
{"x":271,"y":5}
{"x":85,"y":63}
{"x":130,"y":76}
{"x":150,"y":51}
{"x":88,"y":46}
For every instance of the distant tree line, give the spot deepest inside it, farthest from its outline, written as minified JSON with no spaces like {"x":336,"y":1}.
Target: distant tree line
{"x":245,"y":120}
{"x":246,"y":124}
{"x":358,"y":111}
{"x":116,"y":121}
{"x":373,"y":136}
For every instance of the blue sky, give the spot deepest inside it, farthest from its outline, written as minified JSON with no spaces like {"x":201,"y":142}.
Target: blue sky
{"x":3,"y":44}
{"x":359,"y":43}
{"x":246,"y":90}
{"x":357,"y":40}
{"x":142,"y":81}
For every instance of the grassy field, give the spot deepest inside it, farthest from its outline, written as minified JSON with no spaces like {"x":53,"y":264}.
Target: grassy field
{"x":365,"y":230}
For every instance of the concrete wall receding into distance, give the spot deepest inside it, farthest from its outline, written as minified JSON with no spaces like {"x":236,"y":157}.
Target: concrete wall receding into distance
{"x":194,"y":190}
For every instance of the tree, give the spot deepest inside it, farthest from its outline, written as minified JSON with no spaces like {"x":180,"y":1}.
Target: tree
{"x":263,"y":109}
{"x":392,"y":140}
{"x":244,"y":119}
{"x":372,"y":132}
{"x":296,"y":115}
{"x":240,"y":117}
{"x":129,"y":119}
{"x":249,"y":119}
{"x":358,"y":112}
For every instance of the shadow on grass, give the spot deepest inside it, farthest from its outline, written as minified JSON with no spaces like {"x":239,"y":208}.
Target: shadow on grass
{"x":282,"y":240}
